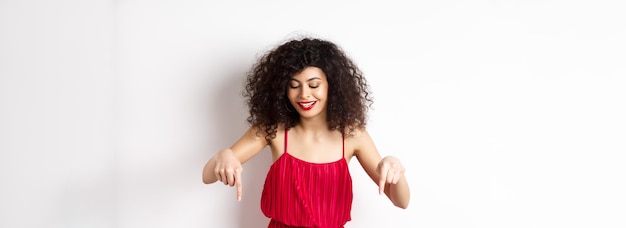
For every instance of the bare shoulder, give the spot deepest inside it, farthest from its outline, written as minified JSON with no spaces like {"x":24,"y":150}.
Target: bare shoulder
{"x":358,"y":134}
{"x":278,"y":139}
{"x":261,"y":133}
{"x":254,"y":134}
{"x":357,"y":141}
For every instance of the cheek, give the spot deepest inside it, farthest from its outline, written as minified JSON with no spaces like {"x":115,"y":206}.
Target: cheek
{"x":291,"y":94}
{"x":322,"y":93}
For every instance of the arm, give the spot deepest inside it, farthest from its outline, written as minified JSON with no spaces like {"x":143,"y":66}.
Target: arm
{"x":387,"y":172}
{"x":226,"y":165}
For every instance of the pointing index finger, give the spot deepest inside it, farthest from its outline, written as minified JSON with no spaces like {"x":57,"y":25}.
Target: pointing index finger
{"x":381,"y":181}
{"x":238,"y":183}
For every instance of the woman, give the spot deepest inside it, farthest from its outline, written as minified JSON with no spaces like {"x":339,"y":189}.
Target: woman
{"x":308,"y":102}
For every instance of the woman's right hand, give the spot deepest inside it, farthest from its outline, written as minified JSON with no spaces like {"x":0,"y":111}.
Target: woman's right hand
{"x":228,"y":170}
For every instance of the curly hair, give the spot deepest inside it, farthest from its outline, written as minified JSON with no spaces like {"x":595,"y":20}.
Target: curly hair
{"x":265,"y":92}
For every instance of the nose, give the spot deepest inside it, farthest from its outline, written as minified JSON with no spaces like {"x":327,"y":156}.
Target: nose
{"x":305,"y":92}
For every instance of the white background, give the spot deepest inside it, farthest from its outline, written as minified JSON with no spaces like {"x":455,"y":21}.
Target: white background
{"x":505,"y":113}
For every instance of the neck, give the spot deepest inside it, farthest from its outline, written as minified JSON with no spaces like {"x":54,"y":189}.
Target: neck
{"x":316,"y":124}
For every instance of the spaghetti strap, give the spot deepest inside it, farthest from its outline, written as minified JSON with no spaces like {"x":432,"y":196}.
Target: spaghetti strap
{"x":343,"y":148}
{"x":285,"y":143}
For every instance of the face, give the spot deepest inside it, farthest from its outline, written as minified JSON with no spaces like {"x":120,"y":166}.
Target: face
{"x":308,"y":91}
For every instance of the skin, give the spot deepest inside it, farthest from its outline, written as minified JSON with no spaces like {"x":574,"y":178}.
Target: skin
{"x":312,"y":141}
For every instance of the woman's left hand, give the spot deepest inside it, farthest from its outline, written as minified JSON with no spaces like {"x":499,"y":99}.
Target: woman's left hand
{"x":390,"y":170}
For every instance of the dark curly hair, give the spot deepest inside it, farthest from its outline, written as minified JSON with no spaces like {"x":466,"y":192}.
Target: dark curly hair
{"x":267,"y":81}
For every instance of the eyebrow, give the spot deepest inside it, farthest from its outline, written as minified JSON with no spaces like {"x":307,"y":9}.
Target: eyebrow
{"x":308,"y":80}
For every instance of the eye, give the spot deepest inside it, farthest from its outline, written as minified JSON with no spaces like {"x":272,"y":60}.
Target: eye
{"x":294,"y":85}
{"x":314,"y":86}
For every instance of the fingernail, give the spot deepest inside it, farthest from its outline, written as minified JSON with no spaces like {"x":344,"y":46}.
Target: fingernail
{"x":239,"y":198}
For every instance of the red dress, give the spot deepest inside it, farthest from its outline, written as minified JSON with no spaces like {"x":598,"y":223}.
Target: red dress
{"x":298,"y":193}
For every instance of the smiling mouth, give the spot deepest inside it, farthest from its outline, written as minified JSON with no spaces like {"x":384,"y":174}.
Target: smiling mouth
{"x":307,"y":105}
